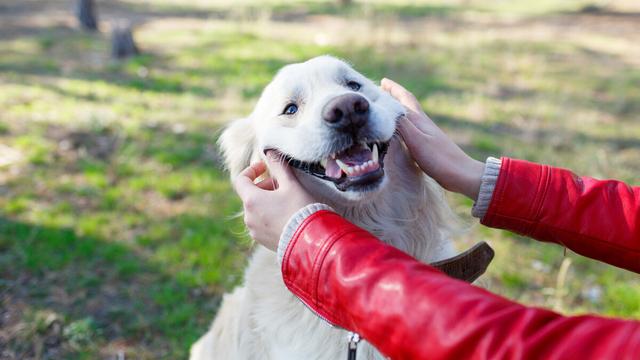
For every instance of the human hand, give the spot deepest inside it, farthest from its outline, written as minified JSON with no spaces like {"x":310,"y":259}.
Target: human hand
{"x":270,"y":203}
{"x":436,"y":154}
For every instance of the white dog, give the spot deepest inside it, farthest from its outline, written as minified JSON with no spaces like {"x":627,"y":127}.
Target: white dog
{"x":337,"y":128}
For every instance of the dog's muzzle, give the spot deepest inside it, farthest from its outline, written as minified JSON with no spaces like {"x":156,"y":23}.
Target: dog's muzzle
{"x":356,"y":168}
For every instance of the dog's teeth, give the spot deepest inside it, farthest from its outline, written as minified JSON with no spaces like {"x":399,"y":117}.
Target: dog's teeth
{"x":350,"y":170}
{"x":342,"y":165}
{"x":323,"y":162}
{"x":333,"y":156}
{"x":374,"y":155}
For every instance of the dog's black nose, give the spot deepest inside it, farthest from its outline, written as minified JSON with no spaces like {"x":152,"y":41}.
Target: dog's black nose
{"x":348,"y":112}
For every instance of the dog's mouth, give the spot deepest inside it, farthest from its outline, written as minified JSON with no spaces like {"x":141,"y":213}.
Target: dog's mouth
{"x":358,"y":167}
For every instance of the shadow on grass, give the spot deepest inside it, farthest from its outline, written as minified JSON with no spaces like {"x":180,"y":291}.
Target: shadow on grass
{"x":299,"y":11}
{"x":139,"y":13}
{"x":597,"y":10}
{"x":542,"y":136}
{"x":119,"y":73}
{"x":83,"y":278}
{"x":121,"y":285}
{"x":149,"y":72}
{"x":154,"y":286}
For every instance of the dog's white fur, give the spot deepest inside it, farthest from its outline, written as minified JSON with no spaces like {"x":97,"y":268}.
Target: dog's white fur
{"x":262,"y":319}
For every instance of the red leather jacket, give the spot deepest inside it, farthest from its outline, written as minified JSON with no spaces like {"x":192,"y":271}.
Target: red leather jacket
{"x":409,"y":310}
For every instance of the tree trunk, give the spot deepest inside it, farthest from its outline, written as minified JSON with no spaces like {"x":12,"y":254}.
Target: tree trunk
{"x":122,"y":43}
{"x":86,"y":13}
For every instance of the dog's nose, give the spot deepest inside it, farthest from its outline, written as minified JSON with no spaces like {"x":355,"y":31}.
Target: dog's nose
{"x":348,"y":112}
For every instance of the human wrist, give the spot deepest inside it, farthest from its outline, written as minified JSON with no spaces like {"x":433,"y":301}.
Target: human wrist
{"x":470,"y":175}
{"x":293,"y":223}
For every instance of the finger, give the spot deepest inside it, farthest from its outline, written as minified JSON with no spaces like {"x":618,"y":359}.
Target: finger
{"x":254,"y":170}
{"x":401,"y":94}
{"x":244,"y":182}
{"x":421,"y":121}
{"x":407,"y":129}
{"x":422,"y":124}
{"x":244,"y":187}
{"x":268,"y":184}
{"x":280,"y":170}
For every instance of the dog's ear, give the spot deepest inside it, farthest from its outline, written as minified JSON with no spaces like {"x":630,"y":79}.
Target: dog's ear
{"x":237,"y":143}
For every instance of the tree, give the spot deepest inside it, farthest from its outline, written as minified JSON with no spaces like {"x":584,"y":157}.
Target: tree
{"x":86,"y":13}
{"x":122,"y":43}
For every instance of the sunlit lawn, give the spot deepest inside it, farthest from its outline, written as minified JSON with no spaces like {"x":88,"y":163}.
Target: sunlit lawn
{"x":116,"y":219}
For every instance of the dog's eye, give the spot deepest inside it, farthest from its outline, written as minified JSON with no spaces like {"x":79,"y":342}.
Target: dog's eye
{"x":353,"y":85}
{"x":290,"y":109}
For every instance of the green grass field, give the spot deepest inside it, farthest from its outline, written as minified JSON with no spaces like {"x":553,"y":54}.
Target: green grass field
{"x":117,"y":232}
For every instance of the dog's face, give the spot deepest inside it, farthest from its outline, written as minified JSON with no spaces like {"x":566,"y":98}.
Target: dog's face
{"x":331,"y":123}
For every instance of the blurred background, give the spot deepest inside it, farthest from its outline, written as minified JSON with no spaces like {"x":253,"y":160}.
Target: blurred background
{"x":116,"y":236}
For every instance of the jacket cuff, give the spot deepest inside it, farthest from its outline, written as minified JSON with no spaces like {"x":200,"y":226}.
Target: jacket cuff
{"x":487,"y":187}
{"x":294,"y":222}
{"x":518,"y":196}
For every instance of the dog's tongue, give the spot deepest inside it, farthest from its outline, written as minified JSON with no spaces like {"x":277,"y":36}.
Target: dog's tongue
{"x":355,"y":155}
{"x":332,"y":169}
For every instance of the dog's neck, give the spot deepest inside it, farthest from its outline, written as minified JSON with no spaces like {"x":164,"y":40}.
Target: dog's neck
{"x":409,"y":213}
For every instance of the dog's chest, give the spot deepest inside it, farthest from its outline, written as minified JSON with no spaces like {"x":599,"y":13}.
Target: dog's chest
{"x":284,"y":327}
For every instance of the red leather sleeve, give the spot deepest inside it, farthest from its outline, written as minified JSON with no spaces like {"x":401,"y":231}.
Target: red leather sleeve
{"x":599,"y":219}
{"x":409,"y":310}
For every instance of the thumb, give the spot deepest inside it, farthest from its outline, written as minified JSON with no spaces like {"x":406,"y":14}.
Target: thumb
{"x":279,"y":169}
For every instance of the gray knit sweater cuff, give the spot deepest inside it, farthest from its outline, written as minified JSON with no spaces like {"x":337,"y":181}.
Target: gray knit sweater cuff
{"x":489,"y":179}
{"x":292,"y":225}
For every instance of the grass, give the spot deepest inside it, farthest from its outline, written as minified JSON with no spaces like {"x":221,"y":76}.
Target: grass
{"x":117,"y":232}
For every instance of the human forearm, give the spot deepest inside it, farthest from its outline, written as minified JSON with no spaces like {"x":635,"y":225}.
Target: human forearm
{"x":462,"y":174}
{"x":409,"y":310}
{"x":598,"y":219}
